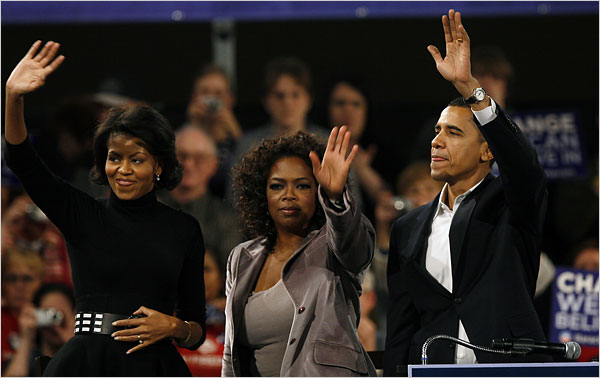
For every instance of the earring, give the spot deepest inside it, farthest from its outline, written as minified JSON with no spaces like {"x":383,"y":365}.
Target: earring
{"x":157,"y":177}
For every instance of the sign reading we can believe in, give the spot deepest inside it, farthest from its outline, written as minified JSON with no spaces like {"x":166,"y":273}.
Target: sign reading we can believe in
{"x":556,"y":136}
{"x":575,"y":304}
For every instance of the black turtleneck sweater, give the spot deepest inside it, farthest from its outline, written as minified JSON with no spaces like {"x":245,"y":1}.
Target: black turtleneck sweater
{"x":123,"y":253}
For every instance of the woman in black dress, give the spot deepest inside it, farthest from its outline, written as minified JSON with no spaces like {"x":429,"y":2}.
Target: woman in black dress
{"x":130,"y":254}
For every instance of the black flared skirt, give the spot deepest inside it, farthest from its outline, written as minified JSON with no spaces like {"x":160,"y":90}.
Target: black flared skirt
{"x":100,"y":355}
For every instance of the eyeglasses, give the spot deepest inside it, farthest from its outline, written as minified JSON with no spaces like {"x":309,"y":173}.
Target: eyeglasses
{"x":13,"y":278}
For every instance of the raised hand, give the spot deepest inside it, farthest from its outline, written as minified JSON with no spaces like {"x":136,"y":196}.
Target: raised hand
{"x":456,"y":66}
{"x":333,"y":171}
{"x":32,"y":71}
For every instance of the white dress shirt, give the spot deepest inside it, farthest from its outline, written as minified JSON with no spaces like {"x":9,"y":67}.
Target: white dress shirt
{"x":437,"y":259}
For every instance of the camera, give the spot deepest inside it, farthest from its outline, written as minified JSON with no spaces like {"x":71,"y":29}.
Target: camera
{"x":212,"y":103}
{"x":47,"y":317}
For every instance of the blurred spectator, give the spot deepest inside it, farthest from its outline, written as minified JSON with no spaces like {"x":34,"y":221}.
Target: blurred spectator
{"x":367,"y":329}
{"x":22,"y":274}
{"x":416,"y":188}
{"x":585,"y":255}
{"x":490,"y":65}
{"x":207,"y":359}
{"x":572,"y":216}
{"x":53,"y":325}
{"x":74,"y":122}
{"x":416,"y":184}
{"x":287,"y":98}
{"x":60,"y":298}
{"x":349,"y":105}
{"x":211,"y":109}
{"x":197,"y":154}
{"x":24,"y":225}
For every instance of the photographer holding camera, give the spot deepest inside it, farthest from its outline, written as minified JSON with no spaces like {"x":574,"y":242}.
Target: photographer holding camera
{"x":45,"y":326}
{"x":211,"y":109}
{"x":25,"y":226}
{"x":22,"y":274}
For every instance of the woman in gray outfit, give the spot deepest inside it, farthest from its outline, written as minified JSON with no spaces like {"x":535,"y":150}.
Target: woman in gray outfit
{"x":293,"y":290}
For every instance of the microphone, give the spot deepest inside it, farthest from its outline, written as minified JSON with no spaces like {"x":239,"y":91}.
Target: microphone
{"x":570,"y":350}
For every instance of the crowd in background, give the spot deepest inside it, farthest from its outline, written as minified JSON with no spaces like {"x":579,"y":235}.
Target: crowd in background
{"x":35,"y":267}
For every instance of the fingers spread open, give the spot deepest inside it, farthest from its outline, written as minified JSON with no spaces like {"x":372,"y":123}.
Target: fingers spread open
{"x":54,"y":64}
{"x":332,"y":138}
{"x":346,"y":142}
{"x":51,"y":54}
{"x":352,"y":154}
{"x":340,"y":139}
{"x":31,"y":53}
{"x":463,"y":34}
{"x":447,"y":33}
{"x":435,"y":53}
{"x":452,"y":18}
{"x":316,"y":164}
{"x":43,"y":52}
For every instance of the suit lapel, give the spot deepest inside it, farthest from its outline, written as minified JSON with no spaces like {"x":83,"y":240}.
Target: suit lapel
{"x":459,"y":227}
{"x":458,"y":230}
{"x":417,"y":244}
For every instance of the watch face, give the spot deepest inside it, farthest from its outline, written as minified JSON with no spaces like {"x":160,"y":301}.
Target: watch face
{"x":479,"y":94}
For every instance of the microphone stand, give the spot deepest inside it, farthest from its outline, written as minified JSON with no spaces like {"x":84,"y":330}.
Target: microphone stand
{"x":468,"y":345}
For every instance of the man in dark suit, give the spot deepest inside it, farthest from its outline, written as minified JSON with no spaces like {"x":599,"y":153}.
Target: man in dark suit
{"x":466,"y":264}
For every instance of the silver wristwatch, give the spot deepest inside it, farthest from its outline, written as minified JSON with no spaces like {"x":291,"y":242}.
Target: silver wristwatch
{"x":478,"y":95}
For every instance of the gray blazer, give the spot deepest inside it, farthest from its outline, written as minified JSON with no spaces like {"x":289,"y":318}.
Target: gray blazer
{"x":323,"y":279}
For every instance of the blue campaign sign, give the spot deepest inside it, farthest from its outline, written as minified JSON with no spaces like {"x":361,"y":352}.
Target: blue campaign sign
{"x":556,"y":136}
{"x":574,"y":315}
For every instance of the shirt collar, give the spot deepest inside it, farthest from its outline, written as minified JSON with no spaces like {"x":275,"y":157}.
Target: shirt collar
{"x":441,"y":206}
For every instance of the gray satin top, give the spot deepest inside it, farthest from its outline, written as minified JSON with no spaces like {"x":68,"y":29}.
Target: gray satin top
{"x":265,"y":329}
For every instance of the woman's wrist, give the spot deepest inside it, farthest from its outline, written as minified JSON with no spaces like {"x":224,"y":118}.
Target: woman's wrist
{"x":185,"y":333}
{"x":12,"y":97}
{"x":180,"y":329}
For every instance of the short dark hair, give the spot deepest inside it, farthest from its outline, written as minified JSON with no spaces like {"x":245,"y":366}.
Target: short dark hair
{"x":55,"y":287}
{"x":250,"y":182}
{"x":152,"y":128}
{"x":209,"y":69}
{"x":293,"y":67}
{"x":459,"y":101}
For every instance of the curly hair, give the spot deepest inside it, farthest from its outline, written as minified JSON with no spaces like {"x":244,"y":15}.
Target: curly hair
{"x":152,"y":128}
{"x":250,"y":182}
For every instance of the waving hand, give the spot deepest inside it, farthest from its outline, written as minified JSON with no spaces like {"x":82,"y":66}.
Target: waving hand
{"x":332,"y":172}
{"x":32,"y":71}
{"x":29,"y":75}
{"x":456,"y":66}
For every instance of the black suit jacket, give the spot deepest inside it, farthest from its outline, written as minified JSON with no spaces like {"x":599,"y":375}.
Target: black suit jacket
{"x":495,"y":239}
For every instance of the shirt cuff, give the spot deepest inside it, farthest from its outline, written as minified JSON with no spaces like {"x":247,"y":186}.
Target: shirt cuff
{"x":486,"y":115}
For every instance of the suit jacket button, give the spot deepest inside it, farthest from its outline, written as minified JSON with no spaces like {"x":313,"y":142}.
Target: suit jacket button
{"x":292,"y":341}
{"x":457,"y":300}
{"x":301,"y":310}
